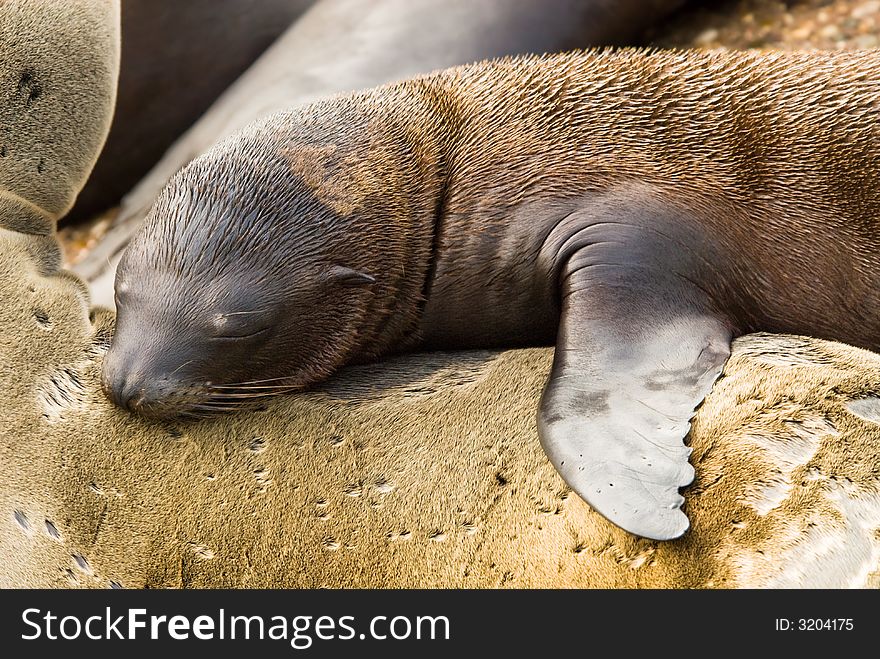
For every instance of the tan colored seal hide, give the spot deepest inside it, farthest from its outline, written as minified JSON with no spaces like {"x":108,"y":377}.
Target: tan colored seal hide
{"x":58,"y":67}
{"x":423,"y":471}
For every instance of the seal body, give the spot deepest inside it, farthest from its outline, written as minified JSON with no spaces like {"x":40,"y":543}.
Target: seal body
{"x":337,"y":46}
{"x":639,"y":209}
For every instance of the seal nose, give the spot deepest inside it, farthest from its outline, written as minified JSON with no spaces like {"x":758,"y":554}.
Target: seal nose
{"x":123,"y":385}
{"x":150,"y":385}
{"x":125,"y":392}
{"x":132,"y":398}
{"x":138,"y":390}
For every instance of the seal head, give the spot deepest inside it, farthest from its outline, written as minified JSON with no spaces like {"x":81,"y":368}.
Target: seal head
{"x":256,"y":281}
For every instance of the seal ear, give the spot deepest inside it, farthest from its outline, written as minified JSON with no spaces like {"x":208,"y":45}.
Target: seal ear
{"x":348,"y":276}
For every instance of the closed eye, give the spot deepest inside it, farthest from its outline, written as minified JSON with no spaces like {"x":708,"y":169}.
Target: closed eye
{"x":231,"y":337}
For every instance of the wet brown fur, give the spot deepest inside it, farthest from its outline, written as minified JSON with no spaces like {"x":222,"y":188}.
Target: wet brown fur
{"x":448,"y":189}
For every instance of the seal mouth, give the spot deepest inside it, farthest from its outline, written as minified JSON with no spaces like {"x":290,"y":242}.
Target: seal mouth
{"x":153,"y":395}
{"x":227,"y":398}
{"x":208,"y":400}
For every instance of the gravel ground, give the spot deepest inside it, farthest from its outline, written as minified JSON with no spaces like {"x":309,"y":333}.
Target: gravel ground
{"x":768,"y":24}
{"x":773,"y":24}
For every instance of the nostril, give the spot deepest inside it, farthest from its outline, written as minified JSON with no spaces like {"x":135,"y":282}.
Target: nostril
{"x":134,"y":398}
{"x":134,"y":401}
{"x":138,"y":390}
{"x":135,"y":395}
{"x":123,"y":391}
{"x":141,"y":397}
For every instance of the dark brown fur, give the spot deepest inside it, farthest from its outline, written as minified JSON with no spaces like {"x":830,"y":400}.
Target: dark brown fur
{"x":784,"y":134}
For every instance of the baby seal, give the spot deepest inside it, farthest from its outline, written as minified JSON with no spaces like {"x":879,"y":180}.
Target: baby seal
{"x":639,"y":209}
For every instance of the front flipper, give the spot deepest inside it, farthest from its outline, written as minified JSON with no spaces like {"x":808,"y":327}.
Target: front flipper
{"x":640,"y":344}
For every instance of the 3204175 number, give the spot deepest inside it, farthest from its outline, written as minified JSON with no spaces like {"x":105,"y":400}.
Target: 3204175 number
{"x":815,"y":624}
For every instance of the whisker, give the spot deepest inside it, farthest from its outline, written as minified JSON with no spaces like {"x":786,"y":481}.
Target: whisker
{"x":245,"y":395}
{"x":190,"y":361}
{"x":268,"y":388}
{"x":253,"y":389}
{"x":216,"y":403}
{"x":211,"y":409}
{"x":249,"y":382}
{"x":241,"y":313}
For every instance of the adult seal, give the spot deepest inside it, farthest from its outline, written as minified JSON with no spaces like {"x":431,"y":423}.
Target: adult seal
{"x":640,"y":208}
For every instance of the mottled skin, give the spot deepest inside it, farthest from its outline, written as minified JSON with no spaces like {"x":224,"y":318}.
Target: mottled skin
{"x":639,"y":208}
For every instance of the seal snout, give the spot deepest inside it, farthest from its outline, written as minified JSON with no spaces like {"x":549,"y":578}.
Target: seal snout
{"x":141,"y":393}
{"x":127,"y":393}
{"x":130,"y":393}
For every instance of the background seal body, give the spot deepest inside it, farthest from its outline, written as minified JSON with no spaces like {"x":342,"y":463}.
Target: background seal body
{"x":176,"y":59}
